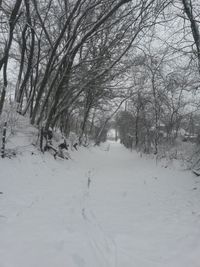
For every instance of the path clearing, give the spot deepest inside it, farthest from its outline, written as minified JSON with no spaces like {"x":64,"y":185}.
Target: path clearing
{"x":103,"y":209}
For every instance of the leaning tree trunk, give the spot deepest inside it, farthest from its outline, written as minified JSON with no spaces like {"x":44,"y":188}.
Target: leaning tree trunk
{"x":4,"y":60}
{"x":22,"y":60}
{"x":31,"y":55}
{"x":188,"y":8}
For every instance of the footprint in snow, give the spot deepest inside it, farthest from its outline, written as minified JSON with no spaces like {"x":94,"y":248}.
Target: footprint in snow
{"x":124,"y":194}
{"x":60,"y":245}
{"x":79,"y":261}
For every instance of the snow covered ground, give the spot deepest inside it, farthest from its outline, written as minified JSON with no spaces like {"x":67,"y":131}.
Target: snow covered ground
{"x":107,"y":207}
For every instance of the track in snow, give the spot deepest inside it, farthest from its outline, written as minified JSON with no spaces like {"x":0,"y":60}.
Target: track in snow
{"x":107,"y":208}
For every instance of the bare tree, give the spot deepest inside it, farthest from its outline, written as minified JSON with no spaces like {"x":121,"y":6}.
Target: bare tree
{"x":189,"y":9}
{"x":12,"y":21}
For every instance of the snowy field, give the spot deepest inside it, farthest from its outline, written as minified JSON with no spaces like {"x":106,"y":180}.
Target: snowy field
{"x":107,"y":207}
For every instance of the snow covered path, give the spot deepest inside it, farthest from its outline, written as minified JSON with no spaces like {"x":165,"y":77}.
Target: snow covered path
{"x":102,"y":209}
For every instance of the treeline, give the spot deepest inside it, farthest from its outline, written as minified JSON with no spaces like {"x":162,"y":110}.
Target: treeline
{"x":165,"y":73}
{"x":75,"y":60}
